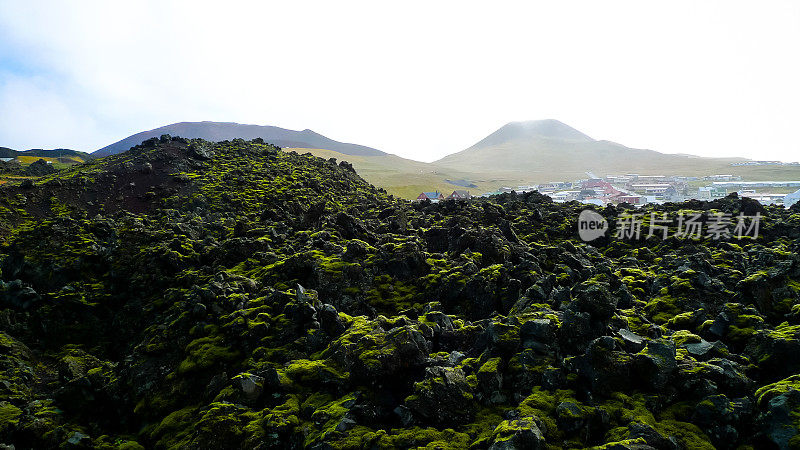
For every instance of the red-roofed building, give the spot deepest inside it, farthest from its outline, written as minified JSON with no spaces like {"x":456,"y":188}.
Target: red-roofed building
{"x":432,"y":196}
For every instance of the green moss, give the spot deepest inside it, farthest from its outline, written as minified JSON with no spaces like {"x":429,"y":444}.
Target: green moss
{"x":624,"y":409}
{"x":766,"y":393}
{"x":9,"y":416}
{"x":683,"y":321}
{"x":738,"y":335}
{"x":481,"y":429}
{"x":313,"y":373}
{"x":683,"y":337}
{"x":542,"y":404}
{"x":175,"y":427}
{"x":490,"y":366}
{"x":507,"y":429}
{"x":416,"y":437}
{"x":661,"y":309}
{"x":784,"y":331}
{"x":391,"y":296}
{"x":327,"y":417}
{"x":687,"y":434}
{"x":206,"y":352}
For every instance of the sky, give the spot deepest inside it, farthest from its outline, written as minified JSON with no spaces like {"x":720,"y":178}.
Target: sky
{"x":417,"y":79}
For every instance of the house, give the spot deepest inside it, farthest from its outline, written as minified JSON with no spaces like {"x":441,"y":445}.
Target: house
{"x":662,"y":190}
{"x":564,"y":196}
{"x":432,"y":196}
{"x":722,"y":178}
{"x":650,"y":179}
{"x":710,"y":192}
{"x":630,"y":199}
{"x":459,"y":195}
{"x":766,"y":198}
{"x":594,"y":183}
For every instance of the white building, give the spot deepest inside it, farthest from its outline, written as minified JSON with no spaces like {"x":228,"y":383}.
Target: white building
{"x":764,"y":198}
{"x":792,"y":198}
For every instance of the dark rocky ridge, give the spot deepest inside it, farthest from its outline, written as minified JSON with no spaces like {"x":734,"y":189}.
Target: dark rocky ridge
{"x":233,"y":295}
{"x":220,"y":131}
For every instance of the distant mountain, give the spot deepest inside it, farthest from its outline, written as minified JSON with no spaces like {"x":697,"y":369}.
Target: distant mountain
{"x":550,"y":128}
{"x":6,"y":152}
{"x":551,"y":150}
{"x":221,"y":131}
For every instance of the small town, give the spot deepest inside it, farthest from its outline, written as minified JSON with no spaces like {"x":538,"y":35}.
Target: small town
{"x":639,"y":190}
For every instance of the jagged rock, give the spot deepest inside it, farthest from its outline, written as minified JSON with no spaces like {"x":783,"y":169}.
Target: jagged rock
{"x":720,"y":418}
{"x":251,"y":385}
{"x":633,"y":342}
{"x":17,"y":295}
{"x":39,"y":167}
{"x":571,"y":417}
{"x":490,"y":376}
{"x":444,"y":396}
{"x":540,"y":330}
{"x":405,"y":415}
{"x":521,"y":433}
{"x":330,"y":321}
{"x":703,"y":350}
{"x":779,"y":420}
{"x":776,"y":350}
{"x":656,"y":363}
{"x":374,"y":355}
{"x":201,"y":151}
{"x":603,"y":367}
{"x":79,"y":439}
{"x":652,"y":437}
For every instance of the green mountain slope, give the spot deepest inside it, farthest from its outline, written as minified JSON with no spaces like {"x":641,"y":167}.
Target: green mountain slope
{"x":188,"y":294}
{"x":58,"y":153}
{"x":406,"y":178}
{"x":549,"y":150}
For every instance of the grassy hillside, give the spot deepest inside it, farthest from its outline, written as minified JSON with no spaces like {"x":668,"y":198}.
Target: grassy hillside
{"x":56,"y":161}
{"x":548,"y":150}
{"x":404,"y":178}
{"x":546,"y":159}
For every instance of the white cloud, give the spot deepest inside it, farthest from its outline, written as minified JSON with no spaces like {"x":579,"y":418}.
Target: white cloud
{"x":419,"y":79}
{"x":33,"y":114}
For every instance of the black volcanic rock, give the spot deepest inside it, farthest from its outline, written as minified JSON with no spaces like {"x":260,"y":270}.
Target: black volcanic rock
{"x":192,"y":294}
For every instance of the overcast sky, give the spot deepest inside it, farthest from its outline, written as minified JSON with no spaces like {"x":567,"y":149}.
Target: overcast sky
{"x":419,"y":79}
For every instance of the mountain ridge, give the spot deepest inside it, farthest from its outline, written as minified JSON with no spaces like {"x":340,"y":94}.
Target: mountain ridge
{"x":552,"y":146}
{"x":547,"y":128}
{"x":222,"y":131}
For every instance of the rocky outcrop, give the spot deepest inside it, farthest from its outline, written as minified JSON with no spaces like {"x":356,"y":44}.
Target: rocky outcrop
{"x":231,"y":295}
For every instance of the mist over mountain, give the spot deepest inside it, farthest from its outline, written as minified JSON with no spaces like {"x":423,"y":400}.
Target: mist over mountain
{"x":222,"y":131}
{"x":555,"y":150}
{"x":548,"y":128}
